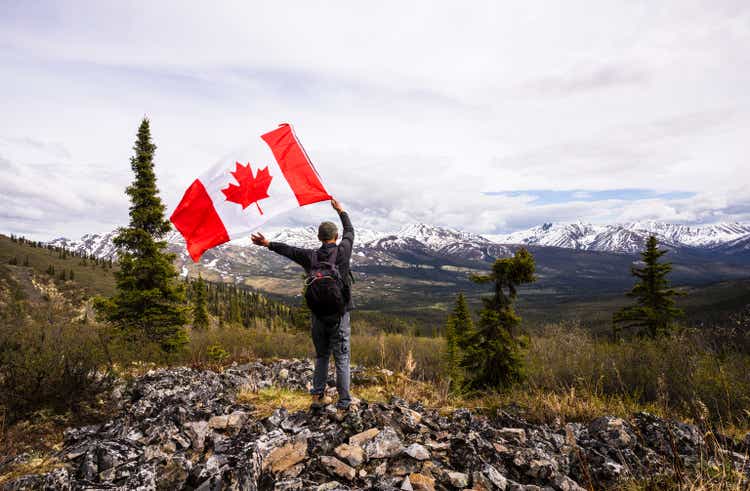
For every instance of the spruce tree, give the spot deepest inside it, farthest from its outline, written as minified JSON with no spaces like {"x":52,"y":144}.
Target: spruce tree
{"x":200,"y":312}
{"x":452,"y":353}
{"x":459,"y":329}
{"x":493,"y":356}
{"x":149,"y":300}
{"x":463,"y":324}
{"x":654,"y":312}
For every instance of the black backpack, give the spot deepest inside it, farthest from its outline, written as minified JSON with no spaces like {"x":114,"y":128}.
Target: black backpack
{"x":324,"y":287}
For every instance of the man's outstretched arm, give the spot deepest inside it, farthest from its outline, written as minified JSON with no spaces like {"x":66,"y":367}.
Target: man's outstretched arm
{"x":296,"y":254}
{"x":347,"y":237}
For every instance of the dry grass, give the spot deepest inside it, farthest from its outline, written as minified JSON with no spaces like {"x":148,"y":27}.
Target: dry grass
{"x":36,"y":464}
{"x":41,"y":435}
{"x":544,"y":406}
{"x":267,"y":400}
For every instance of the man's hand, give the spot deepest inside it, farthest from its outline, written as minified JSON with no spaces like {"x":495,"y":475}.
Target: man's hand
{"x":258,"y":239}
{"x":336,"y":205}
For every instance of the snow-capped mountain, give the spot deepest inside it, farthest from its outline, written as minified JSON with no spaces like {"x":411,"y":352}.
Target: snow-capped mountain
{"x":442,"y":242}
{"x":626,"y":238}
{"x":306,"y":236}
{"x":423,"y":260}
{"x":703,"y":236}
{"x":569,"y":236}
{"x":99,"y":245}
{"x":737,"y":246}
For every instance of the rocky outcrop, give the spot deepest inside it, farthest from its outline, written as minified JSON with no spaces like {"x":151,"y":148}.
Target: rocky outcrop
{"x":183,"y":429}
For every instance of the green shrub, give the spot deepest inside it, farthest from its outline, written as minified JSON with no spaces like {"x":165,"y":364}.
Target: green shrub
{"x":216,"y":353}
{"x":674,"y":372}
{"x":48,"y":360}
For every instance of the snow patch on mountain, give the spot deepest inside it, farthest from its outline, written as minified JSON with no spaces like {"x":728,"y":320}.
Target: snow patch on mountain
{"x":627,"y":238}
{"x":97,"y":245}
{"x":447,"y":242}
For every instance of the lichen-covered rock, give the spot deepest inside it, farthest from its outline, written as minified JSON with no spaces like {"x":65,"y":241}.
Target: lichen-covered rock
{"x":421,"y":482}
{"x":181,"y":428}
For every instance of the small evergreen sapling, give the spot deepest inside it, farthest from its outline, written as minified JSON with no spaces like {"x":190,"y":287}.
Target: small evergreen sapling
{"x":200,"y":311}
{"x":654,"y":313}
{"x":459,"y":329}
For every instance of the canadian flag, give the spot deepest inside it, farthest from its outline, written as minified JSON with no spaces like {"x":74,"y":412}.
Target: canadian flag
{"x":246,"y":189}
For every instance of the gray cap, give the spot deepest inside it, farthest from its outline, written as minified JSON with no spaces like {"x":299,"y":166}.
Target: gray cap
{"x":327,"y":231}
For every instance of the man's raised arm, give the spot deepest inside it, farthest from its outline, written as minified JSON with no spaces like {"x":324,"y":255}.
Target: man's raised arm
{"x":296,"y":254}
{"x":347,"y":236}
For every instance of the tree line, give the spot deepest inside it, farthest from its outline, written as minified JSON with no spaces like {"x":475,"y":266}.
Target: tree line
{"x":489,"y":354}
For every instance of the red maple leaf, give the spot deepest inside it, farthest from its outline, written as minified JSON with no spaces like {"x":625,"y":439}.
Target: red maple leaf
{"x":251,"y":189}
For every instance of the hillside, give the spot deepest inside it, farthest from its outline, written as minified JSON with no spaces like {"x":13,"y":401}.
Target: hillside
{"x":412,"y":278}
{"x":418,"y":270}
{"x":233,"y":419}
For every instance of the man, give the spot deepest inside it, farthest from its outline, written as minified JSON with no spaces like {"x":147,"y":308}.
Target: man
{"x":329,"y":335}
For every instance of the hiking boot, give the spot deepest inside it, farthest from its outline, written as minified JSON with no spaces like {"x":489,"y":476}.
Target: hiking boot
{"x":319,"y":401}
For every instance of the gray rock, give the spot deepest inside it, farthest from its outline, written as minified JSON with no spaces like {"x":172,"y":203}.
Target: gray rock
{"x":196,"y":431}
{"x":363,"y":437}
{"x":615,"y":431}
{"x":182,"y":428}
{"x":218,"y":422}
{"x":351,"y":453}
{"x":514,"y":434}
{"x":417,"y":451}
{"x":458,"y":479}
{"x":385,"y":444}
{"x":330,"y":486}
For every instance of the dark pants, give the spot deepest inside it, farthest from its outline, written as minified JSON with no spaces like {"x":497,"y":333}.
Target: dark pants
{"x":332,"y":338}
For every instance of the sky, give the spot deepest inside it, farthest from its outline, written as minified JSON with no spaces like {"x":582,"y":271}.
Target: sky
{"x":488,"y":117}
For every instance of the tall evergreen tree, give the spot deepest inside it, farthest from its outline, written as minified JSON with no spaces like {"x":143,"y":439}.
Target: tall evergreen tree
{"x":654,"y":312}
{"x":200,"y":311}
{"x":493,"y":357}
{"x":149,"y":300}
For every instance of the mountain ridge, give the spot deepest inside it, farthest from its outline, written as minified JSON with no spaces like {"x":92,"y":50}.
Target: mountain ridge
{"x":626,"y":238}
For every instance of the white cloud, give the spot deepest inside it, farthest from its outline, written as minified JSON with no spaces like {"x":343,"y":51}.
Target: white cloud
{"x":411,"y":111}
